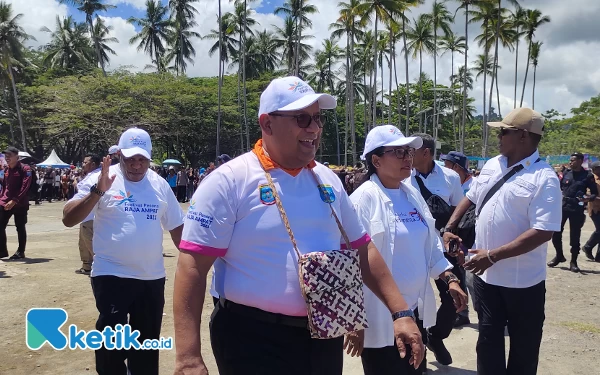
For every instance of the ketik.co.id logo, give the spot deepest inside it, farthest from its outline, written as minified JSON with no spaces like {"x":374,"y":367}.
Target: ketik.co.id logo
{"x":43,"y":326}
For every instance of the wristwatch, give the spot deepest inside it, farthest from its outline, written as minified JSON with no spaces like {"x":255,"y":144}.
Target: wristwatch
{"x":95,"y":190}
{"x":403,"y":314}
{"x":451,"y":279}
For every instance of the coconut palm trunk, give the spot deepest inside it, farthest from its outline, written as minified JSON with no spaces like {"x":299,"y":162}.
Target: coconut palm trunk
{"x":464,"y":109}
{"x":245,"y":100}
{"x":347,"y":109}
{"x":374,"y":94}
{"x":407,"y":94}
{"x":526,"y":72}
{"x":351,"y":110}
{"x":420,"y":90}
{"x":435,"y":111}
{"x":533,"y":93}
{"x":18,"y":106}
{"x":220,"y":87}
{"x":452,"y":101}
{"x":298,"y":37}
{"x":516,"y":70}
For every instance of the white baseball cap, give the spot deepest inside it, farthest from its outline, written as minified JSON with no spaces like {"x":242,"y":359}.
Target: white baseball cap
{"x":388,"y":136}
{"x":292,"y":94}
{"x":135,"y":141}
{"x":113,"y":149}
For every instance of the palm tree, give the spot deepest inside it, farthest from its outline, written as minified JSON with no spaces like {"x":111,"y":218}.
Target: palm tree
{"x":440,"y":19}
{"x":243,"y":23}
{"x":268,"y":46}
{"x":394,"y":32}
{"x":533,"y":21}
{"x":90,"y":8}
{"x":350,"y":24}
{"x":453,"y":43}
{"x":535,"y":54}
{"x":483,"y":66}
{"x":484,"y":13}
{"x":517,"y":20}
{"x":405,"y":6}
{"x":365,"y":64}
{"x":298,"y":10}
{"x":420,"y":39}
{"x":287,"y":38}
{"x":101,"y":38}
{"x":382,"y":9}
{"x":183,"y":14}
{"x":70,"y":47}
{"x":12,"y":37}
{"x":155,"y":31}
{"x":220,"y":85}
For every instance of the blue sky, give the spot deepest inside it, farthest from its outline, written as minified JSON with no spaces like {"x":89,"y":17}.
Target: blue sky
{"x":126,"y":10}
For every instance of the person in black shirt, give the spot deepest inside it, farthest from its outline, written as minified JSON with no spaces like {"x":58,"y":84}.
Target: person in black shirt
{"x":574,"y":185}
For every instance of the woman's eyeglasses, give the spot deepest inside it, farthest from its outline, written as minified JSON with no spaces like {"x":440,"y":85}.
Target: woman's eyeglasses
{"x":402,"y":153}
{"x":304,"y":120}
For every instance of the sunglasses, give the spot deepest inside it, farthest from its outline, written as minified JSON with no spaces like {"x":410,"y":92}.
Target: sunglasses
{"x":505,"y":131}
{"x":402,"y":153}
{"x":304,"y":120}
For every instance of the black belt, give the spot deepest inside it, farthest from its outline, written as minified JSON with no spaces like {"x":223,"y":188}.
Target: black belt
{"x":264,"y":316}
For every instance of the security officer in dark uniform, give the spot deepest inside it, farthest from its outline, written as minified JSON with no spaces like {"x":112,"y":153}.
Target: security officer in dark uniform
{"x":574,"y":185}
{"x":14,"y":201}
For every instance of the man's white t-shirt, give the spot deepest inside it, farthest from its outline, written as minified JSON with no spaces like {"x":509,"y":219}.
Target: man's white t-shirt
{"x":409,"y":266}
{"x":233,"y":216}
{"x":86,"y":185}
{"x":128,"y":225}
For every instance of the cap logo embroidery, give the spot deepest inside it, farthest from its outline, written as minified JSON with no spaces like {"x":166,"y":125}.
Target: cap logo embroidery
{"x":137,"y":141}
{"x":299,"y":87}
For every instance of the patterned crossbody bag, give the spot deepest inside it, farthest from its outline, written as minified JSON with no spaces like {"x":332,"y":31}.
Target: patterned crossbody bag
{"x":331,"y":282}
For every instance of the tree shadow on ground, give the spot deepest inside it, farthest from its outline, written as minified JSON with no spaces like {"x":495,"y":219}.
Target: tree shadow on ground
{"x":448,"y":370}
{"x":3,"y":275}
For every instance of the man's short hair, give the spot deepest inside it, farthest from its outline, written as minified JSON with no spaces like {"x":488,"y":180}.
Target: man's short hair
{"x":94,"y":158}
{"x":428,"y":141}
{"x":578,"y":155}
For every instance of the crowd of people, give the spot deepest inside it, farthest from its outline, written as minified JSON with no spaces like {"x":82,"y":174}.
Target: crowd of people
{"x":269,"y":221}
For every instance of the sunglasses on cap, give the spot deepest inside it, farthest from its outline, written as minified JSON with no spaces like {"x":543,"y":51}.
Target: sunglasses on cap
{"x":402,"y":153}
{"x":304,"y":119}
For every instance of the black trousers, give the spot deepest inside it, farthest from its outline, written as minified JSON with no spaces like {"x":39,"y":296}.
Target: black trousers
{"x":243,"y":345}
{"x":48,"y":191}
{"x":387,"y":361}
{"x":576,"y":221}
{"x":595,"y":237}
{"x":20,"y":215}
{"x":446,"y":314}
{"x":181,"y":193}
{"x":522,"y":311}
{"x":140,"y":304}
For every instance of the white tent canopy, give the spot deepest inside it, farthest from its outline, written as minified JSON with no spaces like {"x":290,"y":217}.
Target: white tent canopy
{"x":53,"y":161}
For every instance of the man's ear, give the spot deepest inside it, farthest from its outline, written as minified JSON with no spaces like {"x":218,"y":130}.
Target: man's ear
{"x":265,"y":124}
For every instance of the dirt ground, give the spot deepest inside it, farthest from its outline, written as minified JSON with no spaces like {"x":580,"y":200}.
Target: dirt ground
{"x":571,"y":342}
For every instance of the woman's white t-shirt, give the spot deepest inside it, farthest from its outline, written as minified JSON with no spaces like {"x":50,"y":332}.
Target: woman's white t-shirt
{"x":409,"y":266}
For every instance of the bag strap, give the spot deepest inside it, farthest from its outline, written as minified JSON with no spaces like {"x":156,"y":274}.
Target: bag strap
{"x":426,"y":193}
{"x":284,"y":217}
{"x":499,"y":184}
{"x":337,"y":220}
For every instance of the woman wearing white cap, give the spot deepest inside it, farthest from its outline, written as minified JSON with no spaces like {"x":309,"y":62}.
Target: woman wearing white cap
{"x":402,"y":228}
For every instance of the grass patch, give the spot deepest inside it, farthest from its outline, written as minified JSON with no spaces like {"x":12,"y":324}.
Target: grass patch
{"x":581,"y":327}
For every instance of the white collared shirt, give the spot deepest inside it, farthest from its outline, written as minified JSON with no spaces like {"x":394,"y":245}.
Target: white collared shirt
{"x":530,"y":199}
{"x":376,"y":211}
{"x":443,"y":182}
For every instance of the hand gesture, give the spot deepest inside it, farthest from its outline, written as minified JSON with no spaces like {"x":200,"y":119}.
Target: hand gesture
{"x":479,"y":263}
{"x":406,"y":332}
{"x":459,"y":297}
{"x":104,"y":181}
{"x":9,"y":205}
{"x":448,"y":238}
{"x":194,"y":366}
{"x":354,"y":343}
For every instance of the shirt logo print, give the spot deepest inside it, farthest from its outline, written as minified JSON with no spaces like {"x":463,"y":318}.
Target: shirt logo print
{"x":124,"y":198}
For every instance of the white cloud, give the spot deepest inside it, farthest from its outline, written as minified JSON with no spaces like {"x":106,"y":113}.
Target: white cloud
{"x":138,"y":4}
{"x":127,"y":54}
{"x":36,"y":14}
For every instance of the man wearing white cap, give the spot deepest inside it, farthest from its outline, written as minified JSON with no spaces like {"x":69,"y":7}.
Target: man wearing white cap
{"x":518,"y":202}
{"x":132,"y":206}
{"x":259,"y":325}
